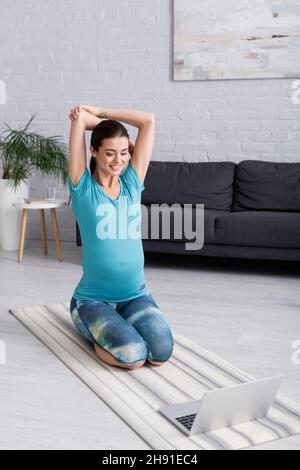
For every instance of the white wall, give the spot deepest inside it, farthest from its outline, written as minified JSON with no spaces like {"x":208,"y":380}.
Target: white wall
{"x":115,"y":53}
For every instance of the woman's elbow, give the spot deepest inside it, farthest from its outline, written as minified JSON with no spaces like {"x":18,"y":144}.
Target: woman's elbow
{"x":150,"y":118}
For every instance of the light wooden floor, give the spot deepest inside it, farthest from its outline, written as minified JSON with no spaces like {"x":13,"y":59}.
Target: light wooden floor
{"x":247,"y":312}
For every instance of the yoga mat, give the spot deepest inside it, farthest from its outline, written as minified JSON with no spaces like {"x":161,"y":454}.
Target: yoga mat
{"x":136,"y":395}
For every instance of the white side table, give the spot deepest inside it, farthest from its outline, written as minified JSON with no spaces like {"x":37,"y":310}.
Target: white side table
{"x":41,"y":207}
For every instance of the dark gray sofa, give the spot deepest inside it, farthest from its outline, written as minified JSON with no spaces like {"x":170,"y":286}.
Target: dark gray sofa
{"x":252,"y":209}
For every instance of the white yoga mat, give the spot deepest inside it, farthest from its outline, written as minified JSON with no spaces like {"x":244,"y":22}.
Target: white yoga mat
{"x":136,"y":395}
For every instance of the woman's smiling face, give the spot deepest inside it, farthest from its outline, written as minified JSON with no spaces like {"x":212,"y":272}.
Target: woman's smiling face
{"x":112,"y":155}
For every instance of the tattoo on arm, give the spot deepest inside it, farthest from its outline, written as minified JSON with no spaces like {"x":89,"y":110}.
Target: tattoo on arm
{"x":103,"y":114}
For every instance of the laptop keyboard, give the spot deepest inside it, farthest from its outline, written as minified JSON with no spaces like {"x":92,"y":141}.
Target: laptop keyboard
{"x":187,"y":420}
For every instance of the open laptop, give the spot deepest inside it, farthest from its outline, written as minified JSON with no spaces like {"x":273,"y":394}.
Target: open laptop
{"x":224,"y":407}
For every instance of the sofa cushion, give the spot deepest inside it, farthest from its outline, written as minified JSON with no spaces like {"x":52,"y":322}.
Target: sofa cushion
{"x":267,"y":186}
{"x":208,"y":183}
{"x":258,"y":228}
{"x":210,"y":217}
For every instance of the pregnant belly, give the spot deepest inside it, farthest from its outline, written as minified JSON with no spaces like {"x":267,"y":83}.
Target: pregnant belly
{"x":113,"y":263}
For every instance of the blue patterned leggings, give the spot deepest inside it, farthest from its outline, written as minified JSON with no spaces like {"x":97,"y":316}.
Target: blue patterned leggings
{"x":132,"y":331}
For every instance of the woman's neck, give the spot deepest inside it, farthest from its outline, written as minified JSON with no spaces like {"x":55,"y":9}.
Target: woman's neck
{"x":110,"y":183}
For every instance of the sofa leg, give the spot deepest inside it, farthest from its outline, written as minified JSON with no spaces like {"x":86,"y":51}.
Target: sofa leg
{"x":225,"y":261}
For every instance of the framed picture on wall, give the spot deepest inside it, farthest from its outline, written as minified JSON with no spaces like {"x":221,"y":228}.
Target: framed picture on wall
{"x":236,"y":39}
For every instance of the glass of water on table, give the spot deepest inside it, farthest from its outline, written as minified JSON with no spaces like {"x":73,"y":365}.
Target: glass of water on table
{"x":51,"y":194}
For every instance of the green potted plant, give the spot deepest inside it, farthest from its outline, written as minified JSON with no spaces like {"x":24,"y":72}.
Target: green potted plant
{"x":21,"y":152}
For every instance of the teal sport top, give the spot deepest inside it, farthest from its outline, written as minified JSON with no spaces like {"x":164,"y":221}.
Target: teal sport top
{"x":110,"y":230}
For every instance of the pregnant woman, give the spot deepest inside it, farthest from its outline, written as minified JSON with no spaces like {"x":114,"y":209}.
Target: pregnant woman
{"x":111,"y":305}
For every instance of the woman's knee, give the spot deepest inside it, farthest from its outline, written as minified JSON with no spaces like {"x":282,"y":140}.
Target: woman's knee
{"x":160,"y":355}
{"x":117,"y":339}
{"x":131,"y":355}
{"x":136,"y":366}
{"x":155,"y":363}
{"x":161,"y":350}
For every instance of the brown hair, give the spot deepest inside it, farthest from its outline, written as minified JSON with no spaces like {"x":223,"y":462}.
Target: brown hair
{"x":106,"y":129}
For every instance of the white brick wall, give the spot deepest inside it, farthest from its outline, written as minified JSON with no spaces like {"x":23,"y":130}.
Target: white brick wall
{"x":119,"y":54}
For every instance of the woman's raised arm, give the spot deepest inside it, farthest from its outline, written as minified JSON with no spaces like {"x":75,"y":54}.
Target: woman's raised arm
{"x":81,"y":121}
{"x":134,"y":117}
{"x":145,"y":122}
